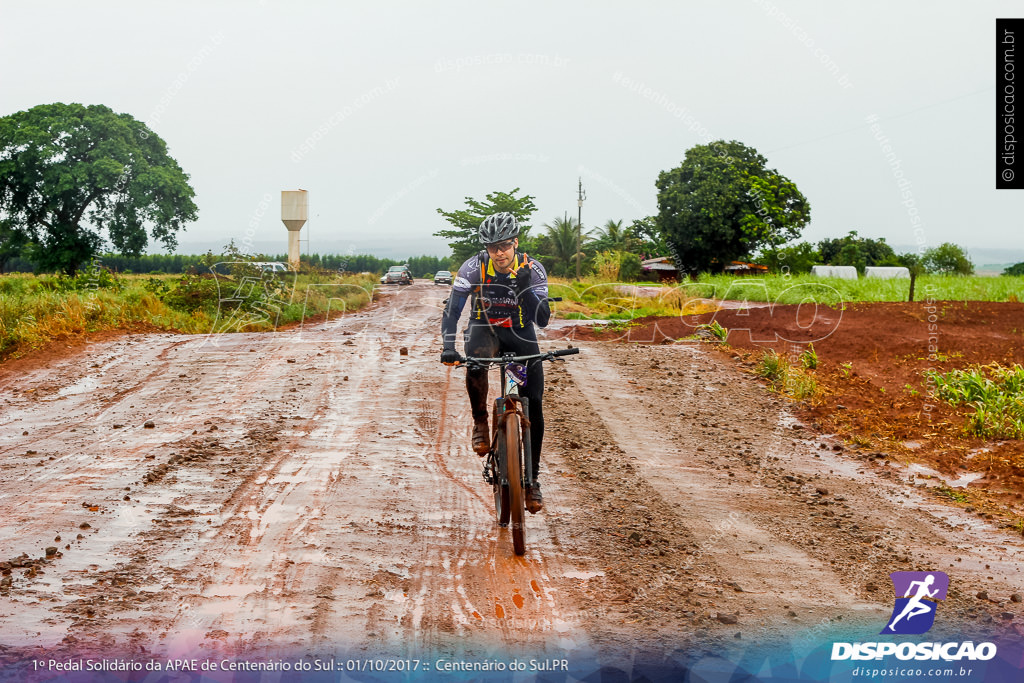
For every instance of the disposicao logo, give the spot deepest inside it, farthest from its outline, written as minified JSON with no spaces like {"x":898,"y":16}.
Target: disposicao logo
{"x":917,"y":596}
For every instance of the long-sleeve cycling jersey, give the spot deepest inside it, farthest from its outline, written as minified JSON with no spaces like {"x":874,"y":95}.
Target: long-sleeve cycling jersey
{"x":495,"y":301}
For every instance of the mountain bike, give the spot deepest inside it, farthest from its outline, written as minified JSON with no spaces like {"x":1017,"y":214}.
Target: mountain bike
{"x":508,"y":467}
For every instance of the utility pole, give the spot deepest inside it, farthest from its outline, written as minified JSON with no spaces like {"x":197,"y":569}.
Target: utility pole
{"x":580,"y":196}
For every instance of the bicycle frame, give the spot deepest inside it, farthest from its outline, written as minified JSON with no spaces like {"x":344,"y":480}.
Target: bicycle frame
{"x":504,"y":406}
{"x":503,"y":468}
{"x":509,"y":396}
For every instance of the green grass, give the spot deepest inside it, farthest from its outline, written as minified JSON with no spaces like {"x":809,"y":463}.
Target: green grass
{"x":809,"y":358}
{"x":801,"y":288}
{"x":35,"y":310}
{"x":594,"y":298}
{"x":785,"y":378}
{"x":994,"y":393}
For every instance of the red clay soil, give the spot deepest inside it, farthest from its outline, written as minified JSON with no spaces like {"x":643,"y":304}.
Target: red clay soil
{"x":22,"y":360}
{"x":880,"y":401}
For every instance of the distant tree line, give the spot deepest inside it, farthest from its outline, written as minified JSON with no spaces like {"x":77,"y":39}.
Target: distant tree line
{"x":861,"y":252}
{"x":421,"y":266}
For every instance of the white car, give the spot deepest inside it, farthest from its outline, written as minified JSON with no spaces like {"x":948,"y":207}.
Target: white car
{"x":271,"y":266}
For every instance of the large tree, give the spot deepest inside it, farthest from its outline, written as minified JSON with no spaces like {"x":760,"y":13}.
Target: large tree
{"x":69,"y":173}
{"x":463,"y":236}
{"x":947,"y":259}
{"x":723,"y":203}
{"x":854,"y":250}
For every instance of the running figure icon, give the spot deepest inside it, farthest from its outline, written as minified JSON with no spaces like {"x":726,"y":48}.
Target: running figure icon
{"x":918,"y":594}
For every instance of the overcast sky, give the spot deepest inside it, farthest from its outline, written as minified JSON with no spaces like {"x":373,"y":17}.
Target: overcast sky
{"x":386,"y":111}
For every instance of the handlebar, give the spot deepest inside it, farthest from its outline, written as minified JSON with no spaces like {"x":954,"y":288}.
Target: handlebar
{"x":509,"y":358}
{"x":444,"y":302}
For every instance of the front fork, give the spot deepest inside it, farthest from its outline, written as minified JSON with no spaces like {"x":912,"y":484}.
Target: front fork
{"x":493,"y":468}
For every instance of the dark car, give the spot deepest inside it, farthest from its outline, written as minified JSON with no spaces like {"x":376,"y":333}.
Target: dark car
{"x":397,"y":275}
{"x":442,"y":277}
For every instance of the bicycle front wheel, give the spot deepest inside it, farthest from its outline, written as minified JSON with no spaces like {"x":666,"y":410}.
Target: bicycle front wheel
{"x":497,"y":463}
{"x":514,"y":468}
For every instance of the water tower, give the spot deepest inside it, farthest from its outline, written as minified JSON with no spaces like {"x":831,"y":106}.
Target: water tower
{"x":294,"y":212}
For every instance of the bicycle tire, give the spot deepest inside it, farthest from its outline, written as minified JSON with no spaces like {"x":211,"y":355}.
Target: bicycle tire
{"x":517,"y":502}
{"x":502,"y":509}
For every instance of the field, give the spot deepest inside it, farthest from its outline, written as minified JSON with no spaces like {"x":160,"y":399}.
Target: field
{"x":626,"y":301}
{"x":867,"y":372}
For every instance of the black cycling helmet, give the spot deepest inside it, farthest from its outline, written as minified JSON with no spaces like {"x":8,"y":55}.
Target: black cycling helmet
{"x":498,"y":227}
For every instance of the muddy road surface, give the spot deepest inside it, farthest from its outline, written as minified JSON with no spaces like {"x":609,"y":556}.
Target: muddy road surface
{"x":313,"y":490}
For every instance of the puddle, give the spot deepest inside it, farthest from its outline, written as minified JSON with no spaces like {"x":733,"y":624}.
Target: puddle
{"x":933,"y":478}
{"x":86,"y":384}
{"x":967,"y":477}
{"x":585,"y":576}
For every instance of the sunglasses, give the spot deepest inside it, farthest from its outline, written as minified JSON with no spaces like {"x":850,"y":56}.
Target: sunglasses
{"x":501,"y":246}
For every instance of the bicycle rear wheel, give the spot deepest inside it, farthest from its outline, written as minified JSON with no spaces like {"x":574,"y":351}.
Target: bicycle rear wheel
{"x":514,"y":467}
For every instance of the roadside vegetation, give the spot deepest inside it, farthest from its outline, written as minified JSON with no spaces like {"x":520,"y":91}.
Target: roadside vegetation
{"x":37,"y":309}
{"x":595,"y":299}
{"x":993,"y":395}
{"x":790,"y":377}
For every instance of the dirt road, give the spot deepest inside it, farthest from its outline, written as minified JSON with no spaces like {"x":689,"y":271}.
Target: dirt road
{"x":313,"y":490}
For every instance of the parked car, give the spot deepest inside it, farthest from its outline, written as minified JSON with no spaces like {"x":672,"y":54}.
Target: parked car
{"x":442,"y":277}
{"x":397,"y":275}
{"x":271,"y":266}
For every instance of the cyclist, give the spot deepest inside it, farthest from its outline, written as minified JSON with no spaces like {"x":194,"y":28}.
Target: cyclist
{"x":509,"y":294}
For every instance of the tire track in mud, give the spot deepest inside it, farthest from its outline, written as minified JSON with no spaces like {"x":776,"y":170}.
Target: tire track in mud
{"x":362,"y":521}
{"x":780,"y":570}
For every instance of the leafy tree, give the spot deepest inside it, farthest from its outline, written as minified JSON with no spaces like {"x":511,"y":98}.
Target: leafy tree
{"x":870,"y":252}
{"x":947,"y":258}
{"x":652,"y":242}
{"x":12,"y":244}
{"x":68,"y":172}
{"x":722,"y":203}
{"x":463,"y":236}
{"x":613,"y":237}
{"x":629,"y":267}
{"x":796,"y":258}
{"x":1015,"y":269}
{"x":852,"y":255}
{"x":912,"y":262}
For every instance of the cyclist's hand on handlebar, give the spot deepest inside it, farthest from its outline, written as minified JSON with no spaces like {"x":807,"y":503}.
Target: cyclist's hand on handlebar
{"x":450,"y":357}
